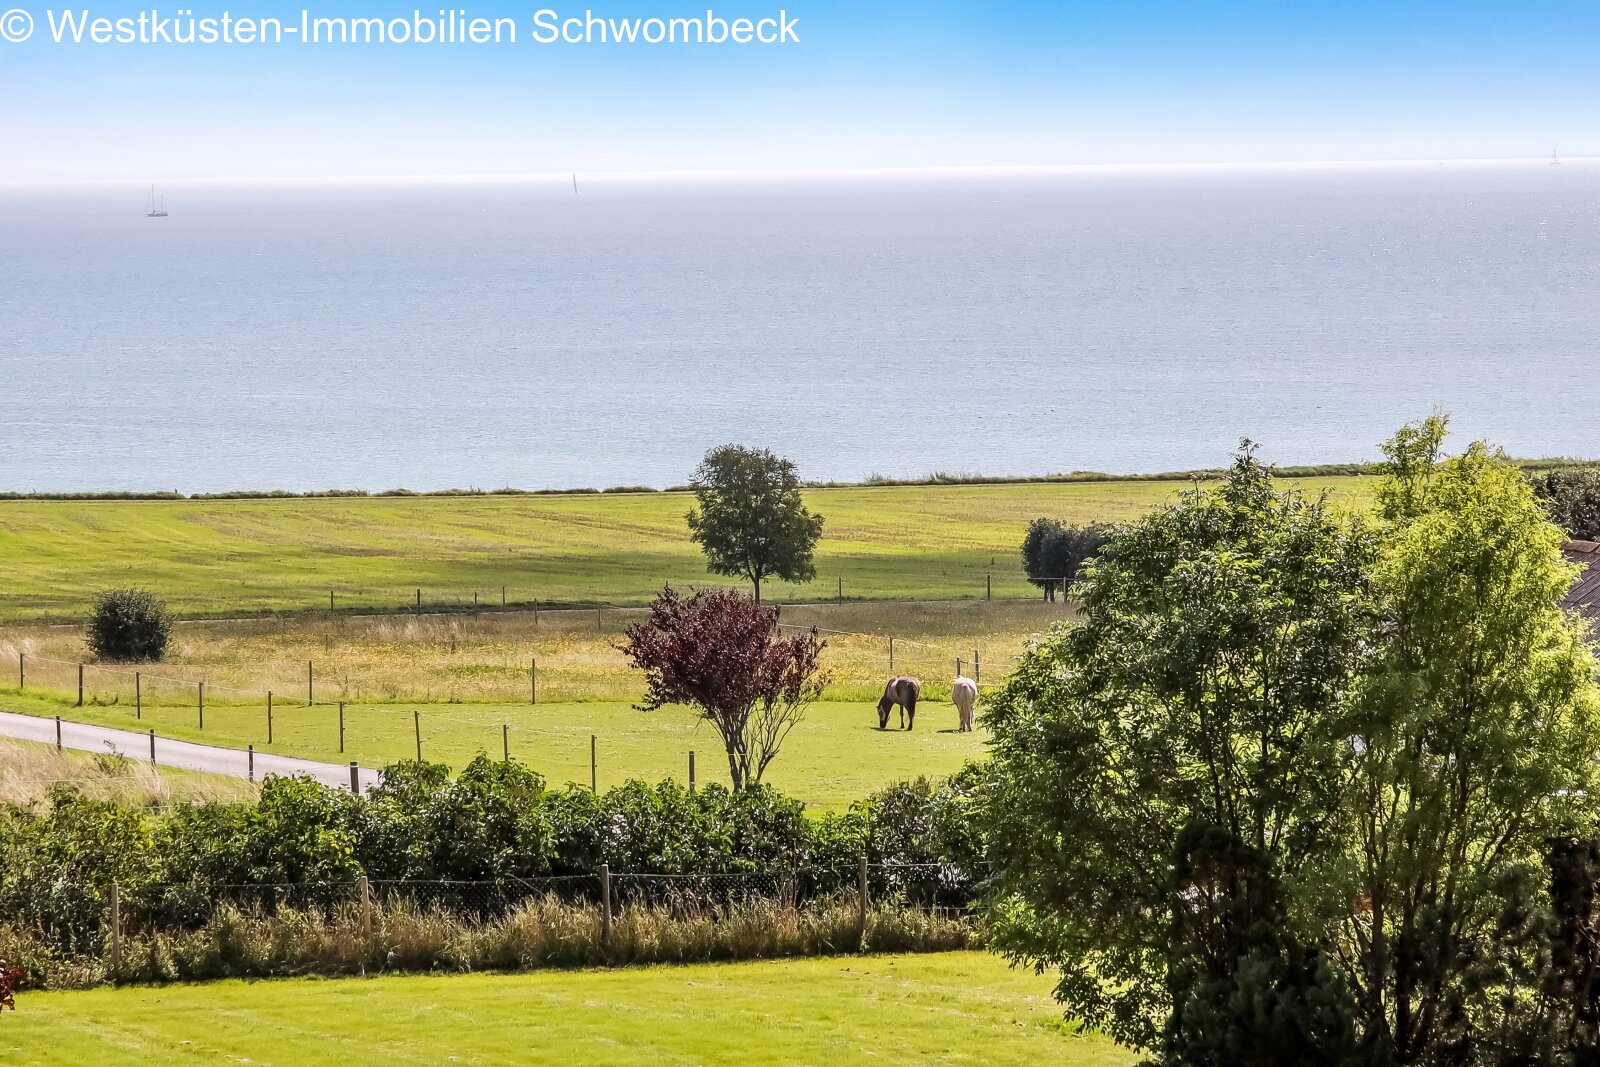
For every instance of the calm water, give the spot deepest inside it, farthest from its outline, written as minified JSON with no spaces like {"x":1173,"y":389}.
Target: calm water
{"x":487,"y":335}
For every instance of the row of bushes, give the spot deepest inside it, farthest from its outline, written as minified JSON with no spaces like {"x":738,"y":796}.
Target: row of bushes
{"x":495,"y":821}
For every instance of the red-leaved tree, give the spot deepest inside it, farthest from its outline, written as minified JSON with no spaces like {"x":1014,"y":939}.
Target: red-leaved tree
{"x":722,"y":653}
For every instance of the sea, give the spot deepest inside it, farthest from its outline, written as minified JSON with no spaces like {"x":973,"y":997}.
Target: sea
{"x":493,"y":333}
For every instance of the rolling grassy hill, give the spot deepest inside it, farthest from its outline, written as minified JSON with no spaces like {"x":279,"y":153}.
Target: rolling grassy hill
{"x":241,"y":556}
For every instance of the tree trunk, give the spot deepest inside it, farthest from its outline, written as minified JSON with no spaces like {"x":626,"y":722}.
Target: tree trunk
{"x":735,"y":771}
{"x":756,"y":581}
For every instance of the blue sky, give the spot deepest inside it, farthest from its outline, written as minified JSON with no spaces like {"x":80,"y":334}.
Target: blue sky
{"x":869,"y":85}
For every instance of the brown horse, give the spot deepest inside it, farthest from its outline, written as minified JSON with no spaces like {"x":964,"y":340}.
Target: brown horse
{"x":903,"y":692}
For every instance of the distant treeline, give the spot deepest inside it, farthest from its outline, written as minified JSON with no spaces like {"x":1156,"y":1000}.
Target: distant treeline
{"x":1314,"y":470}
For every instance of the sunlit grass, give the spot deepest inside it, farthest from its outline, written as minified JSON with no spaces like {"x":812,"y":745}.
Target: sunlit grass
{"x":29,"y":771}
{"x":945,"y":1008}
{"x":239,"y":556}
{"x":492,"y":657}
{"x":836,"y":756}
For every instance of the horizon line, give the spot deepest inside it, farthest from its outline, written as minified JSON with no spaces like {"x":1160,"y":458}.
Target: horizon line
{"x":819,"y":173}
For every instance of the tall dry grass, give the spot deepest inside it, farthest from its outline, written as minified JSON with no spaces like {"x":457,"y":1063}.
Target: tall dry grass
{"x":29,"y":771}
{"x":543,"y":932}
{"x":486,"y":658}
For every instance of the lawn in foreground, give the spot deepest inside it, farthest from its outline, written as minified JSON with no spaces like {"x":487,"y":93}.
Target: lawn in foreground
{"x":945,"y":1008}
{"x":836,"y":756}
{"x":222,"y":557}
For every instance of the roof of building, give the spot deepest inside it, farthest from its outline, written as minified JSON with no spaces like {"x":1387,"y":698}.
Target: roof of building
{"x":1584,"y":596}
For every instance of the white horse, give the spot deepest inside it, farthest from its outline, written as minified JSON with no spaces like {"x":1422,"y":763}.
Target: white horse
{"x":964,"y":695}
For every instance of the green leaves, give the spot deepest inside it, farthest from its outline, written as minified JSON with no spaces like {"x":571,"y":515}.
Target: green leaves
{"x":1291,"y":770}
{"x":129,"y":626}
{"x":750,"y":520}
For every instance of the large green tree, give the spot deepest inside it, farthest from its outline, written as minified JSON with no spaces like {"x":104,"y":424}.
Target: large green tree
{"x":1473,"y":746}
{"x":1164,"y":765}
{"x":1285,"y":795}
{"x":750,"y":519}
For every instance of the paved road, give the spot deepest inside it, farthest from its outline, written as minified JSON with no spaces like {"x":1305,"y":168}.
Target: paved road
{"x":185,"y":755}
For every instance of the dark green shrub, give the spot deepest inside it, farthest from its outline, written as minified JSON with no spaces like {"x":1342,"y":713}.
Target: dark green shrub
{"x":1053,"y":552}
{"x":129,"y":625}
{"x":1572,"y":498}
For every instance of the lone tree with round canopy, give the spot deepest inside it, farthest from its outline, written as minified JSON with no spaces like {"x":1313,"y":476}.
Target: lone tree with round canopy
{"x":129,"y":626}
{"x":750,"y":519}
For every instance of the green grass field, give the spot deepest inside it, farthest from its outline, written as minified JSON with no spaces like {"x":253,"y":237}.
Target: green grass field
{"x":220,"y":557}
{"x":836,"y":756}
{"x":948,"y":1008}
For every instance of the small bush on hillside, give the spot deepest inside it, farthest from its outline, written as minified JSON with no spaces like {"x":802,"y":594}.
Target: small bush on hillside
{"x":129,"y":625}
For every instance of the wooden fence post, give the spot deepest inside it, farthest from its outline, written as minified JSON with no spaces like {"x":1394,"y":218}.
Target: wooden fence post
{"x":22,"y":670}
{"x":330,"y":600}
{"x":366,"y":907}
{"x":416,"y":724}
{"x":977,"y":667}
{"x":341,"y":726}
{"x":891,"y":655}
{"x":310,"y":692}
{"x":138,"y":694}
{"x":505,"y":742}
{"x":419,"y":601}
{"x":988,"y":587}
{"x":355,"y":777}
{"x":269,"y":716}
{"x":80,"y":685}
{"x":200,"y":702}
{"x":605,"y":905}
{"x":691,"y":770}
{"x":152,"y":748}
{"x":250,"y":763}
{"x":116,"y":930}
{"x":861,"y":894}
{"x":841,"y":590}
{"x":58,"y":733}
{"x":533,"y":680}
{"x":594,"y":774}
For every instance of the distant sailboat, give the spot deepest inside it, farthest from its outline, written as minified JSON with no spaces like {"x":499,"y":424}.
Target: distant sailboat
{"x":157,"y":209}
{"x":574,"y":183}
{"x":1555,"y":160}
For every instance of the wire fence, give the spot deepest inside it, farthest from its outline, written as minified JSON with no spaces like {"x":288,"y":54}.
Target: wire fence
{"x":73,"y":917}
{"x":96,"y":684}
{"x":257,"y":724}
{"x":574,"y":607}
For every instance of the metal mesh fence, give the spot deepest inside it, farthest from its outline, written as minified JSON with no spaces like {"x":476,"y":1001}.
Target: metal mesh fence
{"x":484,"y":900}
{"x":71,"y":912}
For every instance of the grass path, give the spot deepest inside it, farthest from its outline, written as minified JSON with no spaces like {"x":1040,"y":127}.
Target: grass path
{"x":218,"y":557}
{"x":949,"y":1008}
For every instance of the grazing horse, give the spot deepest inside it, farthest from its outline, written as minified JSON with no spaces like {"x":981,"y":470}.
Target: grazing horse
{"x":902,"y":691}
{"x":964,"y":695}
